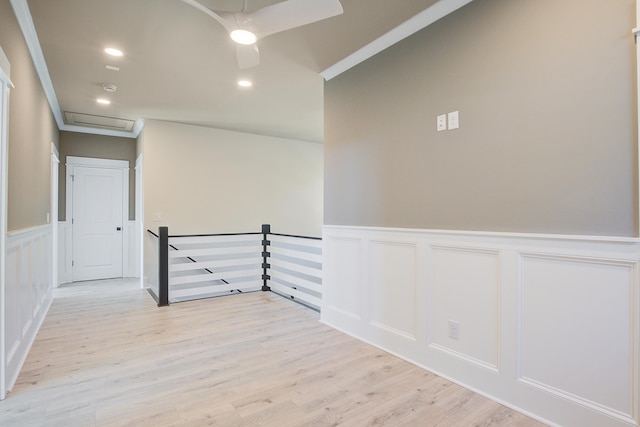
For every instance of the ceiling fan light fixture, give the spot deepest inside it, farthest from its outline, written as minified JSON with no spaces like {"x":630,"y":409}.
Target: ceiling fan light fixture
{"x":113,"y":51}
{"x":243,"y":37}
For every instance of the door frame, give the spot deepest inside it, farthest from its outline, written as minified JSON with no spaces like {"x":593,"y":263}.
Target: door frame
{"x":53,"y":216}
{"x":5,"y":85}
{"x":87,"y":162}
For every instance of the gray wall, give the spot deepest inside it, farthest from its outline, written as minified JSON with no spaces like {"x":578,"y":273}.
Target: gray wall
{"x":32,"y":129}
{"x":547,"y":138}
{"x":98,"y":147}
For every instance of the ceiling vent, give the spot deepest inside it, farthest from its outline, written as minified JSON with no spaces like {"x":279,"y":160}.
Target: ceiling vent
{"x":88,"y":120}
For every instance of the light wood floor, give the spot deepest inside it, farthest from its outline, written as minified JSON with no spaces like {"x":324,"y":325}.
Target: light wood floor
{"x":107,"y":356}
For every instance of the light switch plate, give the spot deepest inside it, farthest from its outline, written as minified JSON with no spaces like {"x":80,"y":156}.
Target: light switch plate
{"x":453,"y":120}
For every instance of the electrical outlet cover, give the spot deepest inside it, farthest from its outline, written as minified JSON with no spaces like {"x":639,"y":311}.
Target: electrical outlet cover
{"x":454,"y":329}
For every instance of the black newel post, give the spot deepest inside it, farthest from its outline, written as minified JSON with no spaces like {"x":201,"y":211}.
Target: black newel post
{"x":266,"y":230}
{"x":163,"y":266}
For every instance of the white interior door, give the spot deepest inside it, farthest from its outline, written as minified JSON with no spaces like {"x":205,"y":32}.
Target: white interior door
{"x":97,"y":223}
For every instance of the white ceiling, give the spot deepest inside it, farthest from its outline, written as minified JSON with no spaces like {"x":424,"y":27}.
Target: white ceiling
{"x":179,"y":64}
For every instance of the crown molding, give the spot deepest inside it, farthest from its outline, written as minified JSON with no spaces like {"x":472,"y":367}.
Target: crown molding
{"x":25,"y":21}
{"x":420,"y":21}
{"x":98,"y":131}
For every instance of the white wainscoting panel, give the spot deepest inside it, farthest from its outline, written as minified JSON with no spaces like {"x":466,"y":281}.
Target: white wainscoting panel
{"x":548,"y":325}
{"x":131,"y":261}
{"x":64,"y":252}
{"x":392,"y":287}
{"x":344,"y":299}
{"x":464,"y":288}
{"x":574,"y":329}
{"x":28,"y":293}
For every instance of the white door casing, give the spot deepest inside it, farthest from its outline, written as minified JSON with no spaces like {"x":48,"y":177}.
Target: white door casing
{"x":636,"y":33}
{"x":97,"y":207}
{"x":55,"y":164}
{"x":5,"y":84}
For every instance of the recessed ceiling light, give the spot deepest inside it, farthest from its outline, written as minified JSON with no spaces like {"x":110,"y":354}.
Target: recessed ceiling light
{"x":113,"y":51}
{"x":243,"y":37}
{"x":103,"y":101}
{"x":244,"y":83}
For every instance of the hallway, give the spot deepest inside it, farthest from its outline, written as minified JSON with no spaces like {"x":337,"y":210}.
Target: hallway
{"x":106,"y":356}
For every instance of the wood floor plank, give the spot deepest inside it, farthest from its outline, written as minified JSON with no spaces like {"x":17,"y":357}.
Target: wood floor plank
{"x":107,"y":356}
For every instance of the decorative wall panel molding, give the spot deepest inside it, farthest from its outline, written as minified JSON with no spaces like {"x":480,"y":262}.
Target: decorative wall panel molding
{"x":545,"y":324}
{"x":64,"y":253}
{"x":347,"y":301}
{"x":131,"y":264}
{"x":393,"y":287}
{"x":28,"y":283}
{"x":575,"y":329}
{"x":469,"y":297}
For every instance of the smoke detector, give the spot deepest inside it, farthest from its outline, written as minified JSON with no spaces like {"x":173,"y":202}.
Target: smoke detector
{"x":109,"y":87}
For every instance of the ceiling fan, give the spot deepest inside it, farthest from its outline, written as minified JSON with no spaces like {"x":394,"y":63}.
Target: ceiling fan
{"x":245,"y":28}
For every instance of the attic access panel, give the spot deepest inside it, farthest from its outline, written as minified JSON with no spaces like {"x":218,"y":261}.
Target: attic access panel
{"x":103,"y":122}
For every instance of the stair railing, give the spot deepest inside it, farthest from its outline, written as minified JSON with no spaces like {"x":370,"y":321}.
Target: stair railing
{"x":202,"y":266}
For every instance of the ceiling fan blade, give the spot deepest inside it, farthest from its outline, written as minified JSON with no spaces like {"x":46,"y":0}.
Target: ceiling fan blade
{"x":223,"y":5}
{"x":226,"y":24}
{"x":253,"y":5}
{"x":248,"y":56}
{"x":286,"y":15}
